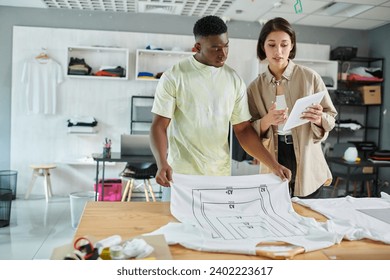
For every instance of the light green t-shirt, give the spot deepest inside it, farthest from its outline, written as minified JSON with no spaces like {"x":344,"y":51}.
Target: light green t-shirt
{"x":200,"y":100}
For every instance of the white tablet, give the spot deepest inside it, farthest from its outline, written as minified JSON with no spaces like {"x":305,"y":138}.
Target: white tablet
{"x":294,"y":119}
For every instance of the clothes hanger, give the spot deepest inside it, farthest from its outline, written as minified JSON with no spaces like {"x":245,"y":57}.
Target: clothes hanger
{"x":43,"y":55}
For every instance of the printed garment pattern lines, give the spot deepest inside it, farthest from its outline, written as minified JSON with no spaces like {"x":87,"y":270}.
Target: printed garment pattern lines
{"x":234,"y":214}
{"x":239,"y":220}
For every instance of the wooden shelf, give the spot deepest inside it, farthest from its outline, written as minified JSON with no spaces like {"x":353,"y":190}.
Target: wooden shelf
{"x":99,"y":56}
{"x":155,"y":61}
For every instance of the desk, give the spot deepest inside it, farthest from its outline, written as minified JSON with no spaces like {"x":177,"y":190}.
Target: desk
{"x":116,"y":157}
{"x":128,"y":220}
{"x":360,"y":164}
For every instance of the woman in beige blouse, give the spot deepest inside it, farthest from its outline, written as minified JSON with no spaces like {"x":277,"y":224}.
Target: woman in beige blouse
{"x":270,"y":97}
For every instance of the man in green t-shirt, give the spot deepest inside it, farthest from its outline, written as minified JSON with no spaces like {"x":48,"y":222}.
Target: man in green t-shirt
{"x":195,"y":102}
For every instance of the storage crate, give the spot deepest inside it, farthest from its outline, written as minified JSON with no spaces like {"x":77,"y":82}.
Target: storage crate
{"x":112,"y":190}
{"x":371,"y":94}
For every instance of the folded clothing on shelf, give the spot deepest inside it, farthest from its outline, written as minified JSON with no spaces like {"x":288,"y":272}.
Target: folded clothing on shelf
{"x":111,"y":72}
{"x":356,"y":77}
{"x":146,"y":75}
{"x":383,"y":155}
{"x":351,"y":124}
{"x":78,"y":66}
{"x":365,"y":74}
{"x":82,"y":121}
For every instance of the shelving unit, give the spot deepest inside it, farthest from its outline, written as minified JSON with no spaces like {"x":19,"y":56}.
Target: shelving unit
{"x":97,"y":56}
{"x":370,"y":131}
{"x":371,"y":114}
{"x":156,"y":61}
{"x":141,"y":115}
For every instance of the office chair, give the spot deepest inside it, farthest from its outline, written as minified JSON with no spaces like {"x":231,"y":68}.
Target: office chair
{"x":141,"y":171}
{"x":340,"y":172}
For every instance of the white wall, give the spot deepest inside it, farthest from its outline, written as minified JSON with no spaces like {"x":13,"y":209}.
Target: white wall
{"x":44,"y":138}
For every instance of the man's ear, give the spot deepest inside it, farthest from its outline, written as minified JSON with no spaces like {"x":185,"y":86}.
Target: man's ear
{"x":197,"y":47}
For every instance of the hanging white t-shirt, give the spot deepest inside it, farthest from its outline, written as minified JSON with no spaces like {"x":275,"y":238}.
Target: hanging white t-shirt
{"x":41,"y":78}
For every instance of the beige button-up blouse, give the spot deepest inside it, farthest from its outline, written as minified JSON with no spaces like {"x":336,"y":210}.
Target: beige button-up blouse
{"x":297,"y":81}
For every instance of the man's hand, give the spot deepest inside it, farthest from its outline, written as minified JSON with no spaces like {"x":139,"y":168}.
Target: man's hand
{"x":164,"y":175}
{"x":282,"y":172}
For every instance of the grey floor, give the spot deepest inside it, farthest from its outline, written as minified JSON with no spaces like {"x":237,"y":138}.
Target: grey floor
{"x":37,"y":227}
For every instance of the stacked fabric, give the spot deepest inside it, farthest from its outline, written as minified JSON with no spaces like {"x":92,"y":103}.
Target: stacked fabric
{"x":365,"y":74}
{"x":380,"y":155}
{"x":146,"y":75}
{"x":78,"y":67}
{"x":111,"y":71}
{"x":82,"y":125}
{"x":350,"y":124}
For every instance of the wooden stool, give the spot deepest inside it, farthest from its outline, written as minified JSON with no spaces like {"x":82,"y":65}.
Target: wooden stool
{"x":44,"y":171}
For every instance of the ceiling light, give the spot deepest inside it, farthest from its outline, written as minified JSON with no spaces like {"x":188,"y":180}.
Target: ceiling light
{"x":334,"y":8}
{"x":356,"y":9}
{"x":160,"y":8}
{"x":344,"y":9}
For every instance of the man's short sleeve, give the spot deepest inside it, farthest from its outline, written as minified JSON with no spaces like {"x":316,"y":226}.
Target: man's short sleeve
{"x":241,"y":109}
{"x":165,"y":97}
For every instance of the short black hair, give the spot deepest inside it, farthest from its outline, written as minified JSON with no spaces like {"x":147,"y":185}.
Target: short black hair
{"x":276,"y":24}
{"x":209,"y":25}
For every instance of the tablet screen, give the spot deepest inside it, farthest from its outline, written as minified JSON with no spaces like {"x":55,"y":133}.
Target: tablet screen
{"x":294,"y":119}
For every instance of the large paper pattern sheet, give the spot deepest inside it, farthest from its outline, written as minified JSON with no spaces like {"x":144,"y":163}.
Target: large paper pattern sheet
{"x":233,"y":214}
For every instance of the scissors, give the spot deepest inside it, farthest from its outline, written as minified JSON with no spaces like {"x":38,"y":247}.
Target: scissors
{"x":86,"y":248}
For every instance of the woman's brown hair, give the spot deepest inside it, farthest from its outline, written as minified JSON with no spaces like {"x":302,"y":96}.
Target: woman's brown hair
{"x":276,"y":24}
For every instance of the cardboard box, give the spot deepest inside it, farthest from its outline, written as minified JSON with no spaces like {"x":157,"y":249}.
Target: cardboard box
{"x":371,"y":94}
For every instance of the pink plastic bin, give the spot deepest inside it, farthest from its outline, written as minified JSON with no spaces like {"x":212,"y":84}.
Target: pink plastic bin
{"x":112,"y":189}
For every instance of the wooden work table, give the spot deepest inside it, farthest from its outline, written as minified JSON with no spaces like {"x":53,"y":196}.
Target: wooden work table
{"x":130,"y":219}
